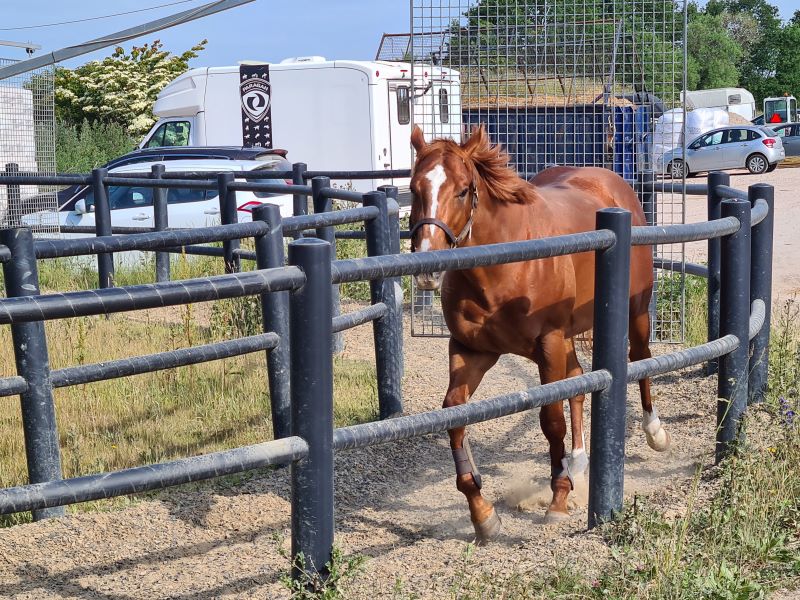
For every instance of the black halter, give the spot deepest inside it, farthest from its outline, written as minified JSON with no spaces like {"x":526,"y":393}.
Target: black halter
{"x":453,"y":239}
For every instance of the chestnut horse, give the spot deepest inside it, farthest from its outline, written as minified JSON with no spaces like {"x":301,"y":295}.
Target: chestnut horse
{"x":466,"y":195}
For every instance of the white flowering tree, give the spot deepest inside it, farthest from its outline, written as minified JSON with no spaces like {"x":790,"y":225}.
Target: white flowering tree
{"x":121,"y":88}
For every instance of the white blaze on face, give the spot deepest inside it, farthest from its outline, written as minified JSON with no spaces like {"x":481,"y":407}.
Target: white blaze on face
{"x":437,"y":177}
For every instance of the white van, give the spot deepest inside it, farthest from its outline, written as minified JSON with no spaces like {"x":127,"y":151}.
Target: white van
{"x":732,"y":100}
{"x":332,"y":115}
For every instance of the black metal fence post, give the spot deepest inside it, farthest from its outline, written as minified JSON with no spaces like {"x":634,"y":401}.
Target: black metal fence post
{"x":102,"y":224}
{"x":392,"y":193}
{"x":13,"y":197}
{"x":610,"y":349}
{"x":30,"y":352}
{"x":715,"y":178}
{"x":228,"y":215}
{"x":761,"y":288}
{"x":300,"y":201}
{"x":160,"y":221}
{"x":275,"y":316}
{"x":388,"y":330}
{"x":321,"y":205}
{"x":312,"y":407}
{"x":734,"y":320}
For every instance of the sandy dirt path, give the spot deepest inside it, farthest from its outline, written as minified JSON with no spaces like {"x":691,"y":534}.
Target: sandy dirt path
{"x":786,"y":272}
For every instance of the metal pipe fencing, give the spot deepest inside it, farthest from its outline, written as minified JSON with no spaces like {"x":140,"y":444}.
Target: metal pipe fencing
{"x":304,"y":290}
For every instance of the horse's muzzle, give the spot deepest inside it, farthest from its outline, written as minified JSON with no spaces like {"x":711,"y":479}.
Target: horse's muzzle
{"x":428,"y":281}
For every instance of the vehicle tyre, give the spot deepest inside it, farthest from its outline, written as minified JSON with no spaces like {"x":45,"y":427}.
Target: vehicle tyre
{"x":757,"y":164}
{"x":677,"y":168}
{"x":772,"y":167}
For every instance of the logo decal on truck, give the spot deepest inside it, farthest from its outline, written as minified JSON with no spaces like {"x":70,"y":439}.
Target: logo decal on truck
{"x":256,"y":96}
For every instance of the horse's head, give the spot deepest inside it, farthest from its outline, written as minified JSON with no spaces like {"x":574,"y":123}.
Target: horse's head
{"x":445,"y":195}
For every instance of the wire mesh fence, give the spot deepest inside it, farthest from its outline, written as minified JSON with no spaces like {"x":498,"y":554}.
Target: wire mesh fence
{"x":578,"y":82}
{"x":27,"y":144}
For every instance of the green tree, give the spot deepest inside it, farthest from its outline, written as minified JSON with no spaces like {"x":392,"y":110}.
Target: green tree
{"x":121,"y":88}
{"x":713,"y":54}
{"x":787,"y":67}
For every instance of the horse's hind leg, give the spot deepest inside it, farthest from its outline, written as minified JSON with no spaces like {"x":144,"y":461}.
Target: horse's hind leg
{"x":467,"y":369}
{"x":578,"y":460}
{"x":658,"y":437}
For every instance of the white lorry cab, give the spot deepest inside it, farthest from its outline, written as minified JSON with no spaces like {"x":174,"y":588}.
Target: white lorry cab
{"x":732,"y":100}
{"x":332,"y":115}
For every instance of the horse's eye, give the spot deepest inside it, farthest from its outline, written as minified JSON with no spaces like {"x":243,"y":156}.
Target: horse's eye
{"x":464,"y":193}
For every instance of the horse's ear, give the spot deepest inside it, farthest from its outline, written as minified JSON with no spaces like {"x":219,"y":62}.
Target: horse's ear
{"x":417,"y":139}
{"x":478,"y":140}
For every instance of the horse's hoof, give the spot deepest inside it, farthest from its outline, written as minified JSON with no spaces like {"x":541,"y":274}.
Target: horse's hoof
{"x":552,"y":517}
{"x":660,"y":441}
{"x":487,"y":529}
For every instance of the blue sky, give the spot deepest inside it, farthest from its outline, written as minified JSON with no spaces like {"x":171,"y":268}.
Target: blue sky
{"x":267,"y":30}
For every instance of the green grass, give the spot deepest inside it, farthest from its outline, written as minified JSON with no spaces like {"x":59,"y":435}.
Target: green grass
{"x":164,"y":415}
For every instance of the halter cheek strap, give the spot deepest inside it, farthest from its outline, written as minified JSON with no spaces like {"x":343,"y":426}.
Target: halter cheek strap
{"x":453,"y":239}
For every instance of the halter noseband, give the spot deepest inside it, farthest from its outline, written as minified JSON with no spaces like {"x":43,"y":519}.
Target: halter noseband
{"x":453,"y":239}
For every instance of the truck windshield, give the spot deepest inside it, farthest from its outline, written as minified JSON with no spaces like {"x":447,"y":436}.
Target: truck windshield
{"x":173,"y":133}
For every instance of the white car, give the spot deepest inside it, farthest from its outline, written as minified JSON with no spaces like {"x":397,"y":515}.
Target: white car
{"x":187,"y":208}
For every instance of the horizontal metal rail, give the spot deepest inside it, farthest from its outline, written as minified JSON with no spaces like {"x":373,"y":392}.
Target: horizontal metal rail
{"x":151,"y":477}
{"x":171,"y":359}
{"x":726,"y":191}
{"x":405,"y":234}
{"x":692,"y":189}
{"x":401,"y":428}
{"x":337,"y":194}
{"x":11,"y":386}
{"x":249,"y":186}
{"x":385,"y":174}
{"x":25,"y":309}
{"x":154,"y":240}
{"x":658,"y":365}
{"x":680,"y":267}
{"x":92,"y":230}
{"x":33,"y":178}
{"x":759,"y":212}
{"x":395,"y":265}
{"x":327,"y":219}
{"x":690,"y":232}
{"x":758,"y":315}
{"x":190,"y":184}
{"x":359,"y":317}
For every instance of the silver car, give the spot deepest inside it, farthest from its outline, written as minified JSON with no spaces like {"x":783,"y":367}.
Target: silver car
{"x":758,"y":149}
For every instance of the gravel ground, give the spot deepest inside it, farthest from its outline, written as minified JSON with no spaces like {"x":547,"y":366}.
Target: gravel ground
{"x":396,"y":504}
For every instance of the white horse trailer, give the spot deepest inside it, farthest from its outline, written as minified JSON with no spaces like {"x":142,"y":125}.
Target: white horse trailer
{"x":332,"y":115}
{"x":732,"y":100}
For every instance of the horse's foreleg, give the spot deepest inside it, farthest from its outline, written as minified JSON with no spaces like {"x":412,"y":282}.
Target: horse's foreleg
{"x":658,"y":437}
{"x":467,"y":368}
{"x":552,"y":360}
{"x":578,"y":460}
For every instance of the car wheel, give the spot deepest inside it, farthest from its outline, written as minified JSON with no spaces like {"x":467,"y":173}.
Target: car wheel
{"x":677,"y":168}
{"x":772,"y":167}
{"x":757,"y":164}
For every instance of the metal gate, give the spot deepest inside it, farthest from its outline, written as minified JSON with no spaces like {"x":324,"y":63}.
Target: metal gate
{"x":27,"y":143}
{"x":586,"y":83}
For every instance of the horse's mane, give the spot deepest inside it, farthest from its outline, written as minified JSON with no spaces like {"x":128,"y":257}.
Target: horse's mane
{"x":489,"y":162}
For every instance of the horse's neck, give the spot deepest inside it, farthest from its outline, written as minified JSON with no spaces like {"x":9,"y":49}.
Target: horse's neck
{"x":497,"y":221}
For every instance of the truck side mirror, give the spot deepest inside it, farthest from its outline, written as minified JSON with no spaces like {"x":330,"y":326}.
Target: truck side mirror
{"x":82,"y":209}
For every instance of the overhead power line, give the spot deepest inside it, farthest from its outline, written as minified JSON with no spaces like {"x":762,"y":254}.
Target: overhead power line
{"x":98,"y":18}
{"x":121,"y":36}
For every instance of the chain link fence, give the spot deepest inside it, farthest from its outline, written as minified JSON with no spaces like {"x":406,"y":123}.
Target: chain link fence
{"x":27,"y":144}
{"x":584,"y":83}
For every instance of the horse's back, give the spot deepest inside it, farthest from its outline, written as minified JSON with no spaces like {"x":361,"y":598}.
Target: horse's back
{"x":574,"y":194}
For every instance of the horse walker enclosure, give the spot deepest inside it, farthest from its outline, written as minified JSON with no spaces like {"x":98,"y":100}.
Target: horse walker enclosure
{"x":578,"y":83}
